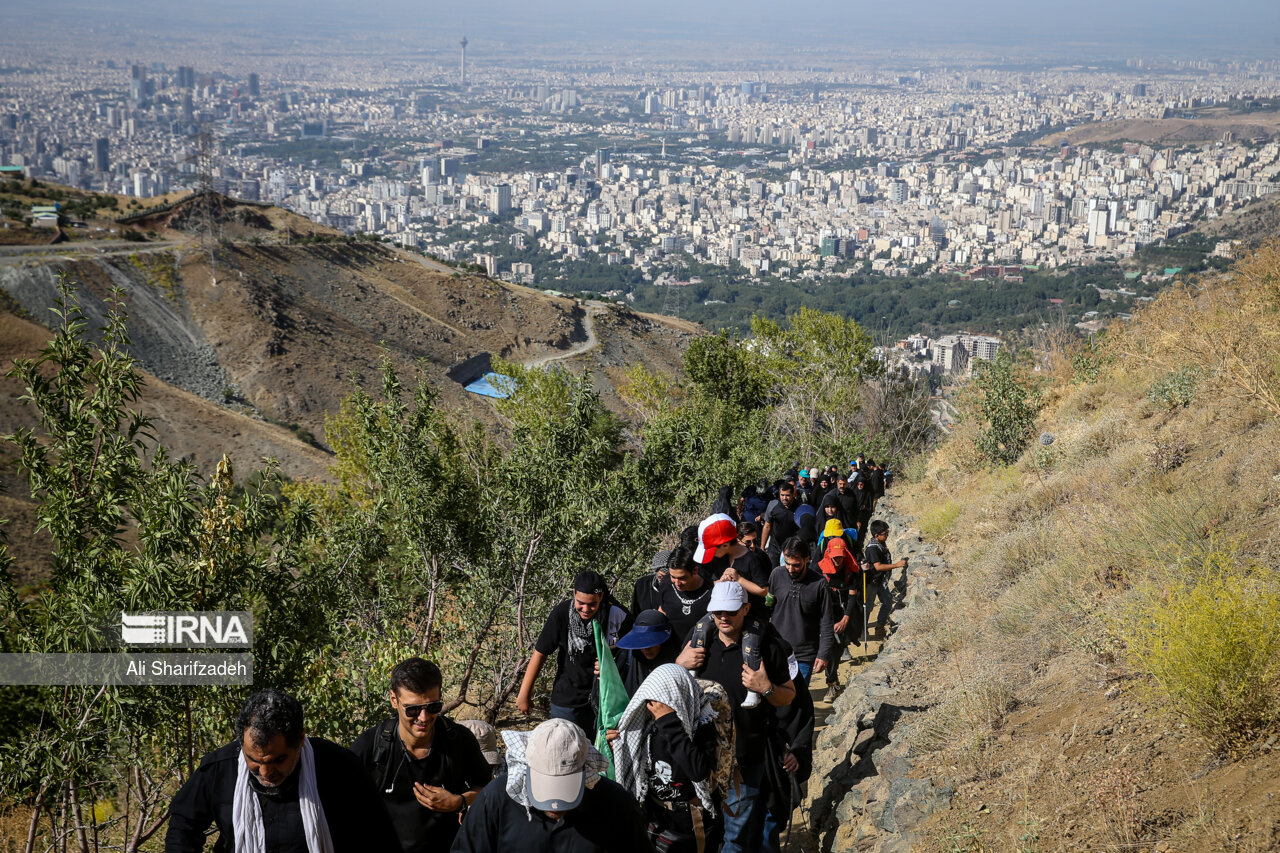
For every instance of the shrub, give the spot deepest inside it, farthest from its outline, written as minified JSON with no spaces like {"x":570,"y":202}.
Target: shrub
{"x":1008,"y":404}
{"x":1086,"y":366}
{"x":1212,"y":646}
{"x":1175,"y":390}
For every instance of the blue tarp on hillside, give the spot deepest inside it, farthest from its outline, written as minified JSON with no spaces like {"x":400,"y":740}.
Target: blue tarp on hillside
{"x":495,"y":385}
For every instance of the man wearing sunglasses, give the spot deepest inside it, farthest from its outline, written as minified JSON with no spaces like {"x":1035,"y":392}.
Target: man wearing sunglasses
{"x":427,"y":768}
{"x":724,"y":658}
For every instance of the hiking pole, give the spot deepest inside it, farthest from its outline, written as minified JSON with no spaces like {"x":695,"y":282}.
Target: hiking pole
{"x":866,"y":615}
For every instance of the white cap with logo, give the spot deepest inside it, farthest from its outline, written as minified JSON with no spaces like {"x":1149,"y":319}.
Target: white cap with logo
{"x":557,"y":758}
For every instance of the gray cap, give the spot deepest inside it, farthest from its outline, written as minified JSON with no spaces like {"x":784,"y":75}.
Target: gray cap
{"x":487,"y":737}
{"x":661,"y":559}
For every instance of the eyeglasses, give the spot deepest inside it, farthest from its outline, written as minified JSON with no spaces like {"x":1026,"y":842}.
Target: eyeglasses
{"x":723,"y":614}
{"x":413,"y":711}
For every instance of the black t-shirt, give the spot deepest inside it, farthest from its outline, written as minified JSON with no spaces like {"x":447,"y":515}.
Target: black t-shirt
{"x":455,"y":763}
{"x":575,"y":674}
{"x":645,"y":595}
{"x":755,"y":566}
{"x":282,"y":827}
{"x":725,"y":666}
{"x":783,"y":526}
{"x":877,"y":484}
{"x":358,"y":822}
{"x":684,"y":609}
{"x":848,"y":504}
{"x":874,"y":552}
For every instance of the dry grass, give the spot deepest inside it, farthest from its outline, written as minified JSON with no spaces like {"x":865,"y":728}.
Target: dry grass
{"x":1048,"y":555}
{"x":13,"y":828}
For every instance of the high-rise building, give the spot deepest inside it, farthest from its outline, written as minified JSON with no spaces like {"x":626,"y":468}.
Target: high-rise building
{"x":255,"y":88}
{"x":101,"y":156}
{"x":464,"y":62}
{"x":500,"y":198}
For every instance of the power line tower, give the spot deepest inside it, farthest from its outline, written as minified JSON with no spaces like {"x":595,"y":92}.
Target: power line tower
{"x":673,"y":298}
{"x":207,"y":211}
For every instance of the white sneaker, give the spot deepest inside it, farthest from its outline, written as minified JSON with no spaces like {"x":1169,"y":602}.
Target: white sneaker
{"x":752,"y":700}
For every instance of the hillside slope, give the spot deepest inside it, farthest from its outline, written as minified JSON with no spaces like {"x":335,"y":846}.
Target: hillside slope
{"x":1033,"y":685}
{"x":191,"y":427}
{"x":295,"y":314}
{"x":289,"y":312}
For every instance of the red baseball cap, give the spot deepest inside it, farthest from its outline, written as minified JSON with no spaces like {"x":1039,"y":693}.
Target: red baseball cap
{"x":713,"y":532}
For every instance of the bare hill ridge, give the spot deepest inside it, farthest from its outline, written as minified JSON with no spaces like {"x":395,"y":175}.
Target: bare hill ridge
{"x":289,"y":312}
{"x":1170,"y":131}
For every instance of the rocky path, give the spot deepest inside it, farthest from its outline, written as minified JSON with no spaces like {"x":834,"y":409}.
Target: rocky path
{"x":863,"y":794}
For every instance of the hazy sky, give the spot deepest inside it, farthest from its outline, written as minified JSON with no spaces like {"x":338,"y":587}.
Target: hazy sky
{"x":1126,"y":27}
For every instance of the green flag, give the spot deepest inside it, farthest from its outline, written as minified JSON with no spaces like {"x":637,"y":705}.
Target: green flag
{"x":613,"y":695}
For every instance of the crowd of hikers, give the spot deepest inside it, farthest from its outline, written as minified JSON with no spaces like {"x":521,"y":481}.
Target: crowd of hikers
{"x":683,"y":722}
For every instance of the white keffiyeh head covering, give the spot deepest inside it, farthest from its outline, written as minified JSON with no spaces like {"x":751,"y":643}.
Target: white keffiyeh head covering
{"x":246,"y":813}
{"x":675,"y":687}
{"x":518,"y":768}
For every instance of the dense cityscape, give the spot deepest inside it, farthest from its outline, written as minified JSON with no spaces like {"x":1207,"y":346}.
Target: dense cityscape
{"x":787,"y":175}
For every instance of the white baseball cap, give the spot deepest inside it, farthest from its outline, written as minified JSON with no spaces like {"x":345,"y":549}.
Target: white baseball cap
{"x":726,"y":596}
{"x":557,"y":757}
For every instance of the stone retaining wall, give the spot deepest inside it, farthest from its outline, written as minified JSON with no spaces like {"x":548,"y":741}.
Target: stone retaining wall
{"x":868,"y":799}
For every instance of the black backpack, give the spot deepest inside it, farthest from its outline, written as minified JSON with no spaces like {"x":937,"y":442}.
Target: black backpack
{"x":383,"y":766}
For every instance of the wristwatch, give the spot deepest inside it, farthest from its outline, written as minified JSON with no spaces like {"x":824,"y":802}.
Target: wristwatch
{"x":769,"y":692}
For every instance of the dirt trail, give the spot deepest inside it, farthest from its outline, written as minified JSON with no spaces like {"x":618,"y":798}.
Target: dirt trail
{"x":588,"y":323}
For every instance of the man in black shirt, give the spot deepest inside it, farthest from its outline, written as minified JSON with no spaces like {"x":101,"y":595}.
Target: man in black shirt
{"x":802,"y":610}
{"x":685,"y":594}
{"x":569,"y":634}
{"x":269,"y":769}
{"x":848,"y":500}
{"x":428,"y":768}
{"x":722,"y":660}
{"x":779,"y":523}
{"x":647,"y":591}
{"x":804,"y":487}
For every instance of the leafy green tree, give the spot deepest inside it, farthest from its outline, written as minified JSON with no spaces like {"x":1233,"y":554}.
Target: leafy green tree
{"x":816,"y":365}
{"x":1008,"y":402}
{"x":440,"y":541}
{"x":132,"y":529}
{"x":721,"y":367}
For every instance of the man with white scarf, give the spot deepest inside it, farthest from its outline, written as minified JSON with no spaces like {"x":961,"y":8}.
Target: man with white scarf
{"x":274,"y":789}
